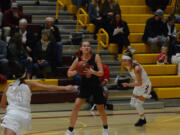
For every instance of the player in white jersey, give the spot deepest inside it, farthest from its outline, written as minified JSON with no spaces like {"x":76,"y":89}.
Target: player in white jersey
{"x":141,"y":84}
{"x":18,"y":95}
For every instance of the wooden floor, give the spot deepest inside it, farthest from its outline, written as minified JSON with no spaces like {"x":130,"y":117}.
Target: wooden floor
{"x":160,"y":122}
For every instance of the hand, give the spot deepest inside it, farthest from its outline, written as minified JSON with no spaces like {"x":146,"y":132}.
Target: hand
{"x":52,"y":28}
{"x":30,"y":59}
{"x":28,"y":49}
{"x":69,"y":88}
{"x":168,"y":38}
{"x":99,"y":18}
{"x":156,"y":40}
{"x":110,"y":13}
{"x":89,"y":72}
{"x":24,"y":41}
{"x":125,"y":84}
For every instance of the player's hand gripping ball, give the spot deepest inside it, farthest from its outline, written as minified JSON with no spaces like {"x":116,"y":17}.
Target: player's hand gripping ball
{"x":82,"y":67}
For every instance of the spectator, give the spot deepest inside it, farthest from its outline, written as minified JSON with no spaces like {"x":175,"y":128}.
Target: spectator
{"x":11,"y":19}
{"x":18,"y":54}
{"x":157,"y":4}
{"x":45,"y":54}
{"x":109,"y":9}
{"x":49,"y":24}
{"x":163,"y":57}
{"x":3,"y":58}
{"x":156,"y":33}
{"x":171,"y":27}
{"x":95,"y":16}
{"x":175,"y":49}
{"x":28,"y":39}
{"x":119,"y":32}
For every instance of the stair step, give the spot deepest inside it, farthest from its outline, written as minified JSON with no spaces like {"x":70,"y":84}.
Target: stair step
{"x":41,"y":18}
{"x":165,"y":81}
{"x":139,"y":28}
{"x":31,"y":3}
{"x":161,"y":69}
{"x":140,"y":9}
{"x":166,"y":93}
{"x":142,"y":18}
{"x":146,"y":58}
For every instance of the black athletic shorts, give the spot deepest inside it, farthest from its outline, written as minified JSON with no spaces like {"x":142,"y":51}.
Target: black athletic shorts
{"x":92,"y":89}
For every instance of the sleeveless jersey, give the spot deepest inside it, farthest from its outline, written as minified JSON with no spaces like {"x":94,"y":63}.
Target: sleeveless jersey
{"x":19,"y":96}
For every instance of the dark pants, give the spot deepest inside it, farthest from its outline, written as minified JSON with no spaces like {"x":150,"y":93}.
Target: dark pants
{"x":4,"y":67}
{"x":121,"y":40}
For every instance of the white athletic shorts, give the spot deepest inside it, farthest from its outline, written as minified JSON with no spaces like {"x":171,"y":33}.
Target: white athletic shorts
{"x":144,"y":91}
{"x":17,"y":121}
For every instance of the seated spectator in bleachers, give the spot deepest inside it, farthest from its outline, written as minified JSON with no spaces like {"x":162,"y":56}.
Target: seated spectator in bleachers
{"x":49,"y":24}
{"x":171,"y":27}
{"x":18,"y":54}
{"x":174,"y":49}
{"x":163,"y":57}
{"x":3,"y":58}
{"x":95,"y":16}
{"x":156,"y":33}
{"x":109,"y":9}
{"x":118,"y":32}
{"x":28,"y":39}
{"x":11,"y":19}
{"x":45,"y":54}
{"x":157,"y":4}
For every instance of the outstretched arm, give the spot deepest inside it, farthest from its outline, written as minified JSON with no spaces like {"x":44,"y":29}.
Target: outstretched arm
{"x":38,"y":86}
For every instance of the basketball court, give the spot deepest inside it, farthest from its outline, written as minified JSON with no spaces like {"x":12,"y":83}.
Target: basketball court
{"x":160,"y":122}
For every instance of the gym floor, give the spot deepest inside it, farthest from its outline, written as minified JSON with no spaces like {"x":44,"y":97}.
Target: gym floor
{"x":160,"y":122}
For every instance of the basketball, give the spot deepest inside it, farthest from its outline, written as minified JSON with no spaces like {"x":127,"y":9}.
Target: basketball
{"x":81,"y":67}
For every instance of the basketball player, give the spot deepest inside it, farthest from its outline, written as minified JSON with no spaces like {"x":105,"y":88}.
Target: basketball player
{"x":18,"y":94}
{"x":142,"y":85}
{"x":90,"y":85}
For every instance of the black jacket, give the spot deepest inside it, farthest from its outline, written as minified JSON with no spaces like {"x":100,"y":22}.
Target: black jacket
{"x":123,"y":36}
{"x":154,"y":28}
{"x":50,"y":54}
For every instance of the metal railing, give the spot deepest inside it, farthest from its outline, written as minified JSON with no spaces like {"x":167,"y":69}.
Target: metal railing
{"x":103,"y":39}
{"x":82,"y":18}
{"x":58,"y":3}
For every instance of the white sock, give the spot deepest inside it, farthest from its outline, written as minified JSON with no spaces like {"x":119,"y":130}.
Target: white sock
{"x":140,"y":109}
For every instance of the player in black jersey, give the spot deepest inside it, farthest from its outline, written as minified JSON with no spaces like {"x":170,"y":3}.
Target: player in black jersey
{"x":90,"y":85}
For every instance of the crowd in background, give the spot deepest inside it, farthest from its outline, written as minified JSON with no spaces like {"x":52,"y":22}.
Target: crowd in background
{"x":40,"y":54}
{"x":18,"y":43}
